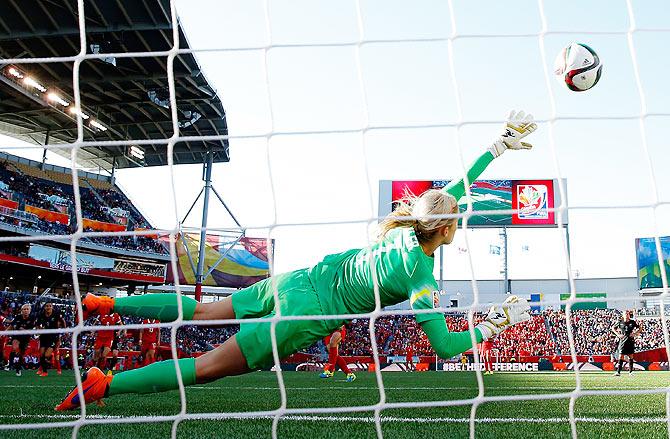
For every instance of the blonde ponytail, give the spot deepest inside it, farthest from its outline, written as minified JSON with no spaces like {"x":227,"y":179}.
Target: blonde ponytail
{"x":431,"y":203}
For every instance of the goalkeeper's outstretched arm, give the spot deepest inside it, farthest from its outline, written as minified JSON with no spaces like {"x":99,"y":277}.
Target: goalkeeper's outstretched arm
{"x":518,"y":126}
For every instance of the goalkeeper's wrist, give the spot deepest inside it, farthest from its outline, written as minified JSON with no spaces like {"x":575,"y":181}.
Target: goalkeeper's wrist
{"x":488,"y":329}
{"x":497,"y":148}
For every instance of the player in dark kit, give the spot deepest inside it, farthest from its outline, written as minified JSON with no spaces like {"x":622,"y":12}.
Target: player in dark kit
{"x":49,"y":318}
{"x":115,"y":350}
{"x":627,"y":331}
{"x":3,"y":340}
{"x":20,"y":342}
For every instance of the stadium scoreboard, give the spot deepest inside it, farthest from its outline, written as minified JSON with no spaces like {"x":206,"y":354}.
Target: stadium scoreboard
{"x":531,"y":200}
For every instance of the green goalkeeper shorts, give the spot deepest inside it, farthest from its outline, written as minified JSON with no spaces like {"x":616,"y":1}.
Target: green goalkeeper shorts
{"x":297,"y":297}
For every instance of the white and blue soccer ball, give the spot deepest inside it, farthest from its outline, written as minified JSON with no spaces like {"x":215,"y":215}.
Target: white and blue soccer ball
{"x":578,"y":67}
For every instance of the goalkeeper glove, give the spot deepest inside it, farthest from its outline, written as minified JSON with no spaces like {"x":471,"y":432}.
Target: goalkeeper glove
{"x":513,"y":310}
{"x":519,"y":125}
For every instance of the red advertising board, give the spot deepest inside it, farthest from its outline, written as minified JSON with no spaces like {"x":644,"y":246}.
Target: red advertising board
{"x":9,"y":203}
{"x":48,"y":215}
{"x":101,"y":226}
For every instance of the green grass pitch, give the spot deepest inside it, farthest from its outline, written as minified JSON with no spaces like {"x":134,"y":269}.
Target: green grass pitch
{"x":31,"y":399}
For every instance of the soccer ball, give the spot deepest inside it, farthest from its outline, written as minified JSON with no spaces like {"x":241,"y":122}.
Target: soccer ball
{"x":578,"y":66}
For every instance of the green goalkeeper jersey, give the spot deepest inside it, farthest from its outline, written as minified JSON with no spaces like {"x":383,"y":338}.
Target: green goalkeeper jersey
{"x":344,"y":281}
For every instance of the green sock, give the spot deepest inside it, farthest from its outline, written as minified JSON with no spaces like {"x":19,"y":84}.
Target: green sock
{"x":156,"y":377}
{"x":156,"y":306}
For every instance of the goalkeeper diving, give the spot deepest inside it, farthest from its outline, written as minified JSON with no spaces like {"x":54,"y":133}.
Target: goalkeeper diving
{"x":400,"y":263}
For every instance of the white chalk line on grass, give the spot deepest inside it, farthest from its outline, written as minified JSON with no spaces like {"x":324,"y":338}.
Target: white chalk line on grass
{"x":346,"y":387}
{"x":370,"y":419}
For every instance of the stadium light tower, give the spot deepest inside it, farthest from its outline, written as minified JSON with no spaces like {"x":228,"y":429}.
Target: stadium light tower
{"x":207,"y":171}
{"x":199,"y":270}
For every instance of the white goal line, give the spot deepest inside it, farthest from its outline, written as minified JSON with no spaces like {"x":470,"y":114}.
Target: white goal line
{"x":389,"y":419}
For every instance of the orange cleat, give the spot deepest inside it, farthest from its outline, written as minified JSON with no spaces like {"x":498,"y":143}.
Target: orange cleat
{"x":97,"y":305}
{"x":95,"y":384}
{"x":42,"y":374}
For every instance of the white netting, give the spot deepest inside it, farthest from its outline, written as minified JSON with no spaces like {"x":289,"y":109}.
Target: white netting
{"x":283,"y":410}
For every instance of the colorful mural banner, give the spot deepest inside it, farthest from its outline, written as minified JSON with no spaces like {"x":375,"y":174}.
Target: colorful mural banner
{"x":245,"y":261}
{"x":101,"y":226}
{"x":48,"y":215}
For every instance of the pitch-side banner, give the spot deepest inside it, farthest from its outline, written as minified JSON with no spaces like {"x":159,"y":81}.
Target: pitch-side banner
{"x":237,"y":263}
{"x":532,"y":200}
{"x":500,"y":367}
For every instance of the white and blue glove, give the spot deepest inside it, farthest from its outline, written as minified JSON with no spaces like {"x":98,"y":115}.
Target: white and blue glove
{"x":518,"y":126}
{"x":500,"y":317}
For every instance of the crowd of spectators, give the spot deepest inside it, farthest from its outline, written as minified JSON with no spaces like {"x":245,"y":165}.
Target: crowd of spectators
{"x":35,"y":191}
{"x":136,"y":243}
{"x":90,"y":207}
{"x":27,"y":221}
{"x":544,"y":335}
{"x":57,"y":197}
{"x":593,"y":331}
{"x":115,"y":198}
{"x":358,"y":338}
{"x":408,"y":333}
{"x":527,"y":338}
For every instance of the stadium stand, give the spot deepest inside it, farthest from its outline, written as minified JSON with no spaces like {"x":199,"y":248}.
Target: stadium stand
{"x":42,"y":200}
{"x":545,"y":335}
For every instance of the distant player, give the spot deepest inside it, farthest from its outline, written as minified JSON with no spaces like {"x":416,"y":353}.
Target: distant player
{"x":626,"y":332}
{"x":115,"y":348}
{"x":49,"y":318}
{"x":105,"y":340}
{"x":332,"y":343}
{"x":3,"y":341}
{"x":56,"y":355}
{"x":23,"y":321}
{"x":486,"y":355}
{"x":149,"y":339}
{"x":409,"y":357}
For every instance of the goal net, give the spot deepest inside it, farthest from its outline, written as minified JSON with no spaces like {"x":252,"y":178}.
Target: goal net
{"x":328,"y":99}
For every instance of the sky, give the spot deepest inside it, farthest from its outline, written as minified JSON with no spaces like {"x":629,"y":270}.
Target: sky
{"x":388,"y":109}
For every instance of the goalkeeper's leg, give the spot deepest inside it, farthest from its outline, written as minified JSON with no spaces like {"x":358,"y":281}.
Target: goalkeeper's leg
{"x":249,"y":349}
{"x":254,"y":301}
{"x":226,"y":360}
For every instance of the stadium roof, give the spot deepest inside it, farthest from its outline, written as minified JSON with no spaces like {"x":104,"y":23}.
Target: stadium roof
{"x":124,"y":98}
